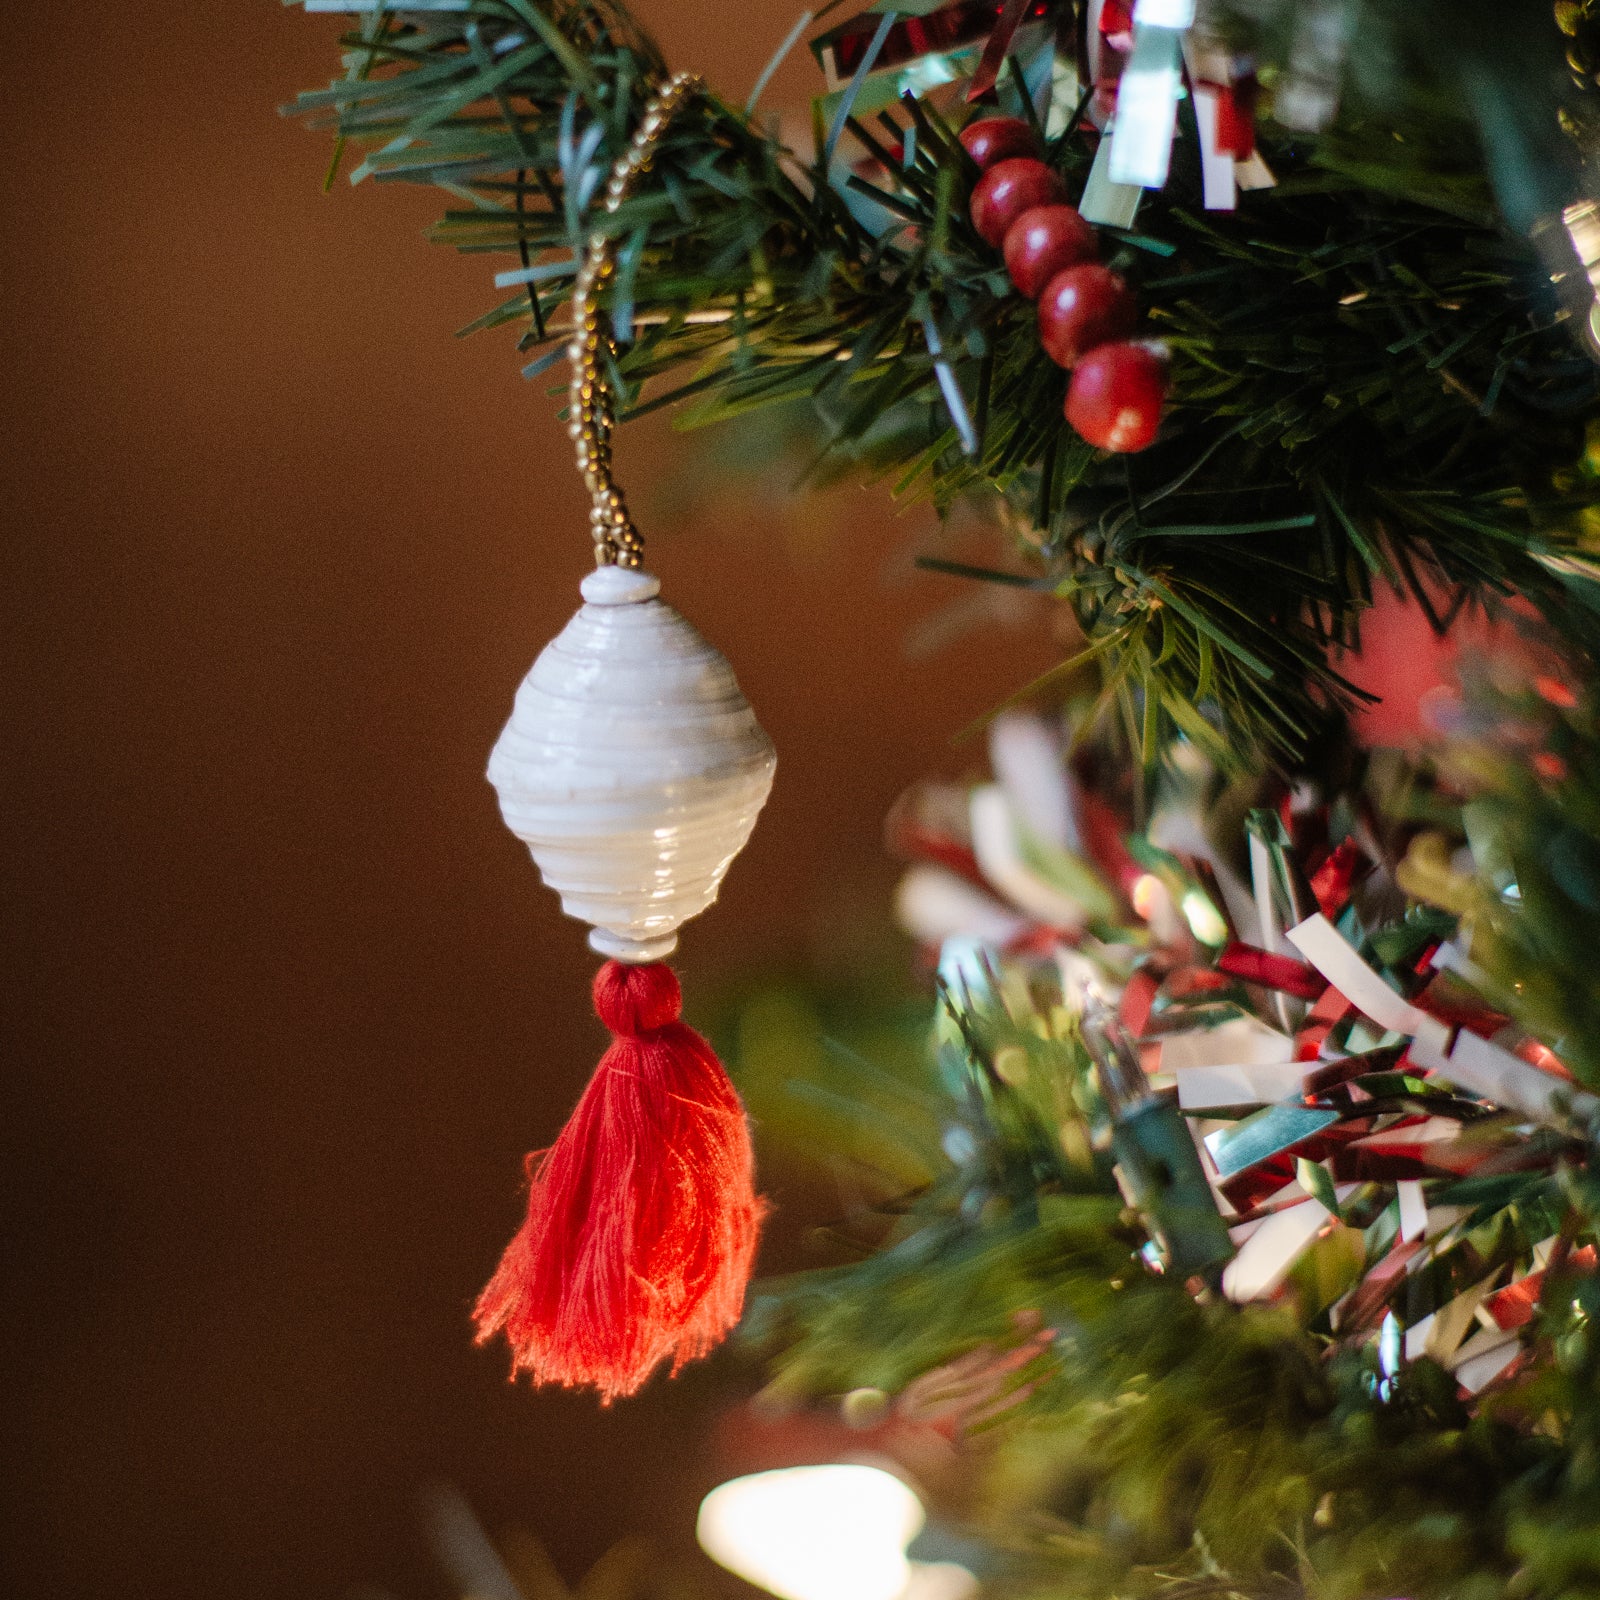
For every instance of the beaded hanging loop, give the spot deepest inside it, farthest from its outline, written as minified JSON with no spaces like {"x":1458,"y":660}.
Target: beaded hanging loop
{"x":591,"y":407}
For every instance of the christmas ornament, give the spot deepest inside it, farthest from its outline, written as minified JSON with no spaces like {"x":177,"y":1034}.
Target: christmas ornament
{"x":1335,"y":1063}
{"x":633,"y":769}
{"x":1148,"y":91}
{"x":1224,"y":91}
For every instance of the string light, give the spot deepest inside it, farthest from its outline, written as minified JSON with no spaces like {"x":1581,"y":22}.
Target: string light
{"x":1205,"y":921}
{"x":836,"y":1532}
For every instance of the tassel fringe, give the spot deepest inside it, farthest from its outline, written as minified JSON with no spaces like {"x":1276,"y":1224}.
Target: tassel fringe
{"x":642,"y":1217}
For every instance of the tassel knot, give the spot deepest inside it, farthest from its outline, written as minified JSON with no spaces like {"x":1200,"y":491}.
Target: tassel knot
{"x":636,"y":1000}
{"x":642,"y":1217}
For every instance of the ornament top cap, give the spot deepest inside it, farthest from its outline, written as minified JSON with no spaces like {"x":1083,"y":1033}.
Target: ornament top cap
{"x":619,"y":586}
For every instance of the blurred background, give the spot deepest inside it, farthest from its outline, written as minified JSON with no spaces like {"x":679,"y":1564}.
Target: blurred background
{"x":286,"y":1004}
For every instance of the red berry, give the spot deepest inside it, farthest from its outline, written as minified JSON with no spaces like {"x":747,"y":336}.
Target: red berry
{"x":1082,"y":307}
{"x":997,"y":139}
{"x":1045,"y":241}
{"x":1008,"y":189}
{"x":1114,"y":399}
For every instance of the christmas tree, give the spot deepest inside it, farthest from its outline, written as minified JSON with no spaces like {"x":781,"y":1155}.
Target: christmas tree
{"x":1233,"y":1222}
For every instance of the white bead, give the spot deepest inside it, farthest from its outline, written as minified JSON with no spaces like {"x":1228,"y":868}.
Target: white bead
{"x":606,"y":943}
{"x":619,"y":586}
{"x":632,"y":767}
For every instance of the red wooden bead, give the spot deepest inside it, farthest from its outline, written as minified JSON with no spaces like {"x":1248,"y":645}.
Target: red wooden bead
{"x":1045,"y":241}
{"x":1114,"y":399}
{"x":1008,"y":189}
{"x":997,"y":139}
{"x":1082,"y":307}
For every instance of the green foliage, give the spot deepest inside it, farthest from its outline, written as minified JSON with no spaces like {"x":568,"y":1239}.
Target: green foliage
{"x":1532,"y":773}
{"x":1369,"y":376}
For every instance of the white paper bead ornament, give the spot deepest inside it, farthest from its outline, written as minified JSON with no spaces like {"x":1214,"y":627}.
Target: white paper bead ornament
{"x":632,"y":767}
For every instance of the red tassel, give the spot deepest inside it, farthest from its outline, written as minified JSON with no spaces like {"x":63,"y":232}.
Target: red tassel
{"x":642,"y":1217}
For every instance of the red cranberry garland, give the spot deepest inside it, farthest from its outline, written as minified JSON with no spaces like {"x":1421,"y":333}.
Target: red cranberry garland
{"x":1082,"y":307}
{"x":1007,"y":190}
{"x":1114,"y":399}
{"x":1086,"y":311}
{"x":1045,"y":241}
{"x":995,"y":139}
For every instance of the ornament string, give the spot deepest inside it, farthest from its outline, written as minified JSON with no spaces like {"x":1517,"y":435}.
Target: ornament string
{"x":591,"y":406}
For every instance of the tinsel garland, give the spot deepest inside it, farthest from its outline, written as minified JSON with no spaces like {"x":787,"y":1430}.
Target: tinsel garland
{"x":1384,"y":1381}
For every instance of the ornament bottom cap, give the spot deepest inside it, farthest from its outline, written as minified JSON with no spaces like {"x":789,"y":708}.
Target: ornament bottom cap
{"x":620,"y":948}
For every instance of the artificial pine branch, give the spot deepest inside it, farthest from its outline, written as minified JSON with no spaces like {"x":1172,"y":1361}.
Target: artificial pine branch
{"x":1370,"y":377}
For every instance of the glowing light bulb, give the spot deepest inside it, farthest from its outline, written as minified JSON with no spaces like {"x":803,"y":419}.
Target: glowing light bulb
{"x":814,"y":1533}
{"x":1205,"y":921}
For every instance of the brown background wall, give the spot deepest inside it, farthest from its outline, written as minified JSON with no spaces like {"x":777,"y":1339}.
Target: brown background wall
{"x":286,"y":1004}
